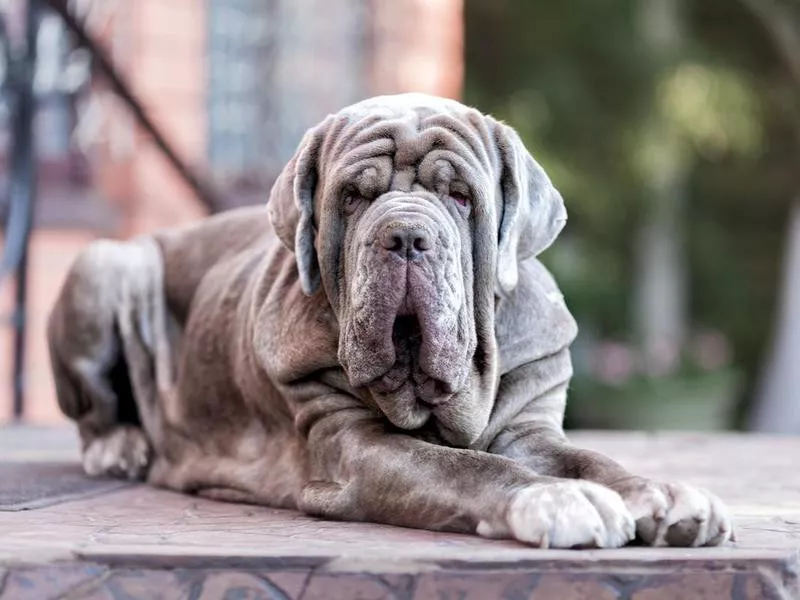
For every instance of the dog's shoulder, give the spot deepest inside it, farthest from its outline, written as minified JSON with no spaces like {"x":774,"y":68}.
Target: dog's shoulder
{"x":191,"y":251}
{"x":533,"y":322}
{"x":294,"y":335}
{"x":232,"y":277}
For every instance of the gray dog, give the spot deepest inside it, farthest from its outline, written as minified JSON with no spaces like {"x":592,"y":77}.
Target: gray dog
{"x":381,"y":344}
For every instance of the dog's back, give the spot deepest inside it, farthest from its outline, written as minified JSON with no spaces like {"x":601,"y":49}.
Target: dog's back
{"x":191,"y":251}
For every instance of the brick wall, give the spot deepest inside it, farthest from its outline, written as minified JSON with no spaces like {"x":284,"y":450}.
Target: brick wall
{"x":418,"y":47}
{"x":159,"y":47}
{"x":168,"y":71}
{"x":164,"y":62}
{"x":415,"y":45}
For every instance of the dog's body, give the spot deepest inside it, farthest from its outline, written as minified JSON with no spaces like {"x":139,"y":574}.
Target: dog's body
{"x":383,"y":346}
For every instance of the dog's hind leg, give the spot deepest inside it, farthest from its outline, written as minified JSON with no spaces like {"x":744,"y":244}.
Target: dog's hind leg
{"x":107,"y":341}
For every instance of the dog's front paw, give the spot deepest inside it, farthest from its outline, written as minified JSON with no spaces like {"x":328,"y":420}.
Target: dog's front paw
{"x":123,"y":452}
{"x":676,"y":514}
{"x":568,"y":514}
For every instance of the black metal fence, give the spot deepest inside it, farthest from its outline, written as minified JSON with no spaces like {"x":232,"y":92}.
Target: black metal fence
{"x":18,"y":61}
{"x":17,"y":89}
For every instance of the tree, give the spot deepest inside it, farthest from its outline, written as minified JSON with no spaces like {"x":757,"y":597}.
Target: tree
{"x":777,"y":407}
{"x":661,"y":275}
{"x":681,"y":140}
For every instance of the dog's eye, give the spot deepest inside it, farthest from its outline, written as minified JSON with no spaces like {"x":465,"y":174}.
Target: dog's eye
{"x":351,"y":202}
{"x":351,"y":199}
{"x":460,"y":198}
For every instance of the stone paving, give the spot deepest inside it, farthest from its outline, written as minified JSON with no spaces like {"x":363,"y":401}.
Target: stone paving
{"x":139,"y":542}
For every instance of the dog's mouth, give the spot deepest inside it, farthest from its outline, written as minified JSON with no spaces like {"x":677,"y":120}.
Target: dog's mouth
{"x":406,"y":329}
{"x":407,"y":338}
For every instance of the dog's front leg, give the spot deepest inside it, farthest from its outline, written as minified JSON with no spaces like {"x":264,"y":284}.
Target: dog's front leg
{"x":666,"y":514}
{"x":359,"y":471}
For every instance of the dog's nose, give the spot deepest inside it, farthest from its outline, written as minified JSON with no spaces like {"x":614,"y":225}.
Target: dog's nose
{"x":407,"y":242}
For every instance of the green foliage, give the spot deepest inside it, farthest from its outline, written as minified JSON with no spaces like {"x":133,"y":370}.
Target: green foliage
{"x":700,"y":401}
{"x":710,"y":108}
{"x":601,"y":113}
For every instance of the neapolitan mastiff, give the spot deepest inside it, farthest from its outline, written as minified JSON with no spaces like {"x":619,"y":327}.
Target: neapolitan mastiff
{"x":380,"y":344}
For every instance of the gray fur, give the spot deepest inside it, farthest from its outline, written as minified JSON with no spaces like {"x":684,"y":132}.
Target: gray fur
{"x":380,"y":344}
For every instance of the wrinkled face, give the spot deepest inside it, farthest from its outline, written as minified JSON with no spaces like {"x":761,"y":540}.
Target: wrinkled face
{"x":405,"y":284}
{"x":398,"y":202}
{"x":405,"y":202}
{"x":407,"y":326}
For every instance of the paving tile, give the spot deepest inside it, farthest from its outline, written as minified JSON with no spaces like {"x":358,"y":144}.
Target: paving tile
{"x":132,"y":542}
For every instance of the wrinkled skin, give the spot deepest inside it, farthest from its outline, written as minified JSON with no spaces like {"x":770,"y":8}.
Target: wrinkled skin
{"x":381,"y":344}
{"x":407,"y":329}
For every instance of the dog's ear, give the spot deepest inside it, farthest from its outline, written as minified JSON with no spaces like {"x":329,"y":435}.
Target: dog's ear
{"x":291,"y":206}
{"x":533,"y":212}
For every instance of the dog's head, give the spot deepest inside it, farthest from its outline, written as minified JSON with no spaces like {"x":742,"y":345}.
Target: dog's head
{"x":412,"y":213}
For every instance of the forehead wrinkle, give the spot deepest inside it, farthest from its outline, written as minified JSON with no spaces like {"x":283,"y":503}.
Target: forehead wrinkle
{"x":462,"y":130}
{"x":408,"y":136}
{"x":384,"y":127}
{"x":415,"y":142}
{"x":332,"y":137}
{"x":485,"y":127}
{"x":410,"y":150}
{"x":466,"y":169}
{"x":449,"y":142}
{"x":352,"y":171}
{"x":351,"y":129}
{"x":382,"y":146}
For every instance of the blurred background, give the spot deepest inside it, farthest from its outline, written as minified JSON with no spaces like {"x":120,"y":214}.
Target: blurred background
{"x":671,"y":127}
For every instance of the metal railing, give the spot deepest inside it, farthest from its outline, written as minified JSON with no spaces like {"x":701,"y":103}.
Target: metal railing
{"x":17,"y":89}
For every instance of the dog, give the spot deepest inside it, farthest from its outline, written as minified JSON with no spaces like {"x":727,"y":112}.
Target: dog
{"x":379,"y":344}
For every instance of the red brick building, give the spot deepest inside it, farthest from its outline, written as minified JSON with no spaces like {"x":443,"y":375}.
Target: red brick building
{"x":232,"y":84}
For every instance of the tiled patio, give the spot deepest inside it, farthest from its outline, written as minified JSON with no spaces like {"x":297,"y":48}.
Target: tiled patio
{"x":136,"y":542}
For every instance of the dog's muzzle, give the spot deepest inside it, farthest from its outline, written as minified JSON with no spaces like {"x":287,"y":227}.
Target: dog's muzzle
{"x":404,"y":337}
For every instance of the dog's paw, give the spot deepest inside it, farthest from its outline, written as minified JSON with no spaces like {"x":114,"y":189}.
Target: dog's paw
{"x":676,"y":514}
{"x":123,"y":452}
{"x":568,"y":514}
